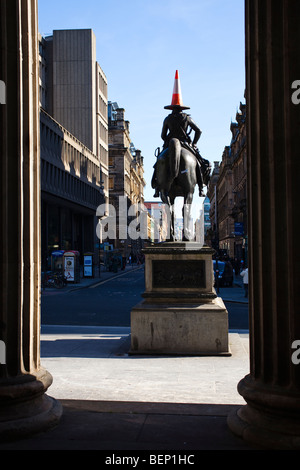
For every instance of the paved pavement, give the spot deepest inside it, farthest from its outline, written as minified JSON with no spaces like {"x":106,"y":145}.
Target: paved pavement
{"x":113,"y":401}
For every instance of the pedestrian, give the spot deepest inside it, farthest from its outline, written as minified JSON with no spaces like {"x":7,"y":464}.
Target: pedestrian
{"x":237,"y":265}
{"x":244,"y":275}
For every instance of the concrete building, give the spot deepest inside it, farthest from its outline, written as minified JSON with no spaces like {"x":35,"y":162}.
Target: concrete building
{"x":76,"y":88}
{"x":71,"y":191}
{"x":74,"y":141}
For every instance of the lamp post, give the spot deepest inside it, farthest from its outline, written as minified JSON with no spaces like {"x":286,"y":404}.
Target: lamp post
{"x":102,"y":213}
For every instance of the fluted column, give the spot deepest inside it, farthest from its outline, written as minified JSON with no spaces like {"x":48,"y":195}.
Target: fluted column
{"x":271,"y":417}
{"x":24,"y":406}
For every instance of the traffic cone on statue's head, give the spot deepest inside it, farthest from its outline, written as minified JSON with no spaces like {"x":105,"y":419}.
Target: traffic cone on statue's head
{"x":176,"y":98}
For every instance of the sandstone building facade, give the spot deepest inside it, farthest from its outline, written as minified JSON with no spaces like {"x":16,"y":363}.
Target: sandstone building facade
{"x":227,"y":193}
{"x":126,"y":177}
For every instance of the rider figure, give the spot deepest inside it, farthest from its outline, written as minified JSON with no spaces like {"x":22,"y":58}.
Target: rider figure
{"x":176,"y":126}
{"x":179,"y":125}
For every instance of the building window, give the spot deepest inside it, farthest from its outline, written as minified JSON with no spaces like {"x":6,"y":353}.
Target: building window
{"x":111,"y":182}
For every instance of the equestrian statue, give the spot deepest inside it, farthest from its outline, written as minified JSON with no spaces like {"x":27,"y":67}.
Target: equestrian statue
{"x":179,"y":166}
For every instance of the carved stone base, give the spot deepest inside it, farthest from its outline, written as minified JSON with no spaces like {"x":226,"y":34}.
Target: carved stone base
{"x":180,"y":313}
{"x":25,"y":409}
{"x":200,"y":329}
{"x":271,"y":418}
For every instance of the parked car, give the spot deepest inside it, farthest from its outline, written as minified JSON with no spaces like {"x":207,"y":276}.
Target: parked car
{"x":225,"y":273}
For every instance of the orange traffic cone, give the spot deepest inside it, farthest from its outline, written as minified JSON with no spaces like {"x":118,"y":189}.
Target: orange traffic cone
{"x":176,"y":97}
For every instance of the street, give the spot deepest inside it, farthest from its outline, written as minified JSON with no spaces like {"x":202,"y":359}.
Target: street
{"x":110,"y":303}
{"x":238,"y":315}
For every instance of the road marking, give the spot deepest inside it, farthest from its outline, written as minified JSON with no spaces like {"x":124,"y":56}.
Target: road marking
{"x":110,"y":279}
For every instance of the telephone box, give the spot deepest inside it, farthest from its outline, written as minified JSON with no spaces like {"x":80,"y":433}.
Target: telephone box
{"x":72,"y":266}
{"x":88,"y":265}
{"x":57,"y":260}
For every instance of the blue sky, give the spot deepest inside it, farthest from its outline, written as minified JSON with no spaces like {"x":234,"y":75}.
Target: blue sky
{"x":140,"y":44}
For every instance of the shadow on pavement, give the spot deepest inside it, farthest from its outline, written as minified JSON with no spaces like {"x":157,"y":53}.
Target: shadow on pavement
{"x":117,"y":426}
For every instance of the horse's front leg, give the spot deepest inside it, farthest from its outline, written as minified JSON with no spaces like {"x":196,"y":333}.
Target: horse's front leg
{"x":172,"y":221}
{"x":170,"y":215}
{"x":187,"y":218}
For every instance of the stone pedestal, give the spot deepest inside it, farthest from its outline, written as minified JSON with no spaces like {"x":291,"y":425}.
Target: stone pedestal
{"x":180,"y":313}
{"x":24,"y":406}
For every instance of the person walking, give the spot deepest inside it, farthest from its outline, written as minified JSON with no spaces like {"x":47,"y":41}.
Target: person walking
{"x":244,"y":275}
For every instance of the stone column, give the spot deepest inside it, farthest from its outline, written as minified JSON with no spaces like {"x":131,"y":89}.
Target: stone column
{"x":24,"y":406}
{"x":271,"y":417}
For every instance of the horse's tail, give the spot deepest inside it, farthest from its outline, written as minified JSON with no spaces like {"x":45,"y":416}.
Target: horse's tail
{"x":174,"y":157}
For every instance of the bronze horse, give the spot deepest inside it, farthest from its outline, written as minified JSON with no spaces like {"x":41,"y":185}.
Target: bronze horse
{"x":176,"y":173}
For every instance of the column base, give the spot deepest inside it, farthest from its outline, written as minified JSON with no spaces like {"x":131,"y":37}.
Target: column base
{"x":25,"y":409}
{"x":269,"y":420}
